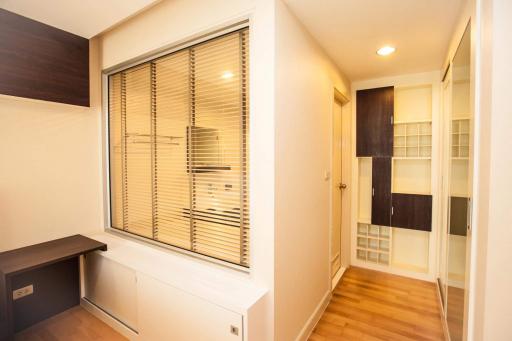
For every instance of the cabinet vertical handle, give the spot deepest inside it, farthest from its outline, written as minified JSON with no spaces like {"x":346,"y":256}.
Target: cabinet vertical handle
{"x":373,"y":191}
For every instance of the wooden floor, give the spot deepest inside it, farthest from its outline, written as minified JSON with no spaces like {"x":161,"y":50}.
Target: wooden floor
{"x":370,"y":305}
{"x":455,"y":309}
{"x":75,"y":324}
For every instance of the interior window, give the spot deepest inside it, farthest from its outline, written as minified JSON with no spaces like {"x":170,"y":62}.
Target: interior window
{"x":178,"y":128}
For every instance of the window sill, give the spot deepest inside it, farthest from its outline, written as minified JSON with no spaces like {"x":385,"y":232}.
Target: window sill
{"x":218,"y":284}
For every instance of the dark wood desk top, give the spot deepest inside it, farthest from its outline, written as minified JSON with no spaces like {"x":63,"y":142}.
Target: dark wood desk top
{"x":39,"y":255}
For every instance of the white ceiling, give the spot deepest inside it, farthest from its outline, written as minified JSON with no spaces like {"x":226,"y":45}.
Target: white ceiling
{"x":85,"y":18}
{"x":351,"y":31}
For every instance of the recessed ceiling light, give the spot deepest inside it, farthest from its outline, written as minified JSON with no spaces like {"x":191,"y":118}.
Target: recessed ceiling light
{"x":386,"y":50}
{"x":227,"y":75}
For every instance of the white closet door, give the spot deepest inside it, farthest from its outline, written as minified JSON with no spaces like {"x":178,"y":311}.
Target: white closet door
{"x":112,"y":287}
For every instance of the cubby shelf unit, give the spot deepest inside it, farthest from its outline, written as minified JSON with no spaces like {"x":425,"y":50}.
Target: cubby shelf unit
{"x":373,"y":243}
{"x":413,"y":139}
{"x":460,"y":138}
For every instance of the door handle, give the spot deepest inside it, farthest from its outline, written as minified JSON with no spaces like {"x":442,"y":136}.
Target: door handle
{"x":342,"y":186}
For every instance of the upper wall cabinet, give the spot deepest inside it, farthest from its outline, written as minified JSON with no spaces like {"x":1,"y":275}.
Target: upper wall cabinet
{"x":42,"y":62}
{"x":375,"y":109}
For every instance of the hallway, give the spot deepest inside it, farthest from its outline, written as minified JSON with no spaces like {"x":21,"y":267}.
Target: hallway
{"x":371,"y":305}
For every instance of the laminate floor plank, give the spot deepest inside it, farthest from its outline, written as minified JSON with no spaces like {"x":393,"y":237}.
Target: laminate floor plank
{"x":75,"y":324}
{"x":374,"y":306}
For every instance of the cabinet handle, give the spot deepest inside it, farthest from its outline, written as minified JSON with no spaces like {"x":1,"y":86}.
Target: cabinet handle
{"x":373,"y":191}
{"x":391,"y":119}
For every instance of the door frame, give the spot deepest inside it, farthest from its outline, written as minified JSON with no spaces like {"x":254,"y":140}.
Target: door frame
{"x":343,"y":100}
{"x":444,"y":186}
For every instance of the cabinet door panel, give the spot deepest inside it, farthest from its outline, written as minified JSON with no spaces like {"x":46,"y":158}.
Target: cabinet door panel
{"x":412,"y":211}
{"x":381,"y":191}
{"x":374,"y":111}
{"x":168,"y":313}
{"x":101,"y":276}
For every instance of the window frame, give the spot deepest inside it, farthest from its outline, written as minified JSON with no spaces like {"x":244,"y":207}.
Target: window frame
{"x":106,"y":73}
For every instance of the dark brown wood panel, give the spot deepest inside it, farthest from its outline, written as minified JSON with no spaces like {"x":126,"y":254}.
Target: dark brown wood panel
{"x":56,"y":289}
{"x":39,"y":255}
{"x":42,"y":62}
{"x":381,"y":191}
{"x":24,"y":260}
{"x":412,"y":211}
{"x":374,"y":115}
{"x":458,"y":216}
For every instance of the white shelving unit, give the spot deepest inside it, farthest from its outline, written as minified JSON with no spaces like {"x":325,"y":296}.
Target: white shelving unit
{"x":460,"y":138}
{"x":373,"y":243}
{"x":413,"y":139}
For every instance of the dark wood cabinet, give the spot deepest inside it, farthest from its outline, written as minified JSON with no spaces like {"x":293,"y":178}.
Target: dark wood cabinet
{"x":412,"y":211}
{"x":374,"y":122}
{"x":381,"y":191}
{"x":42,"y":62}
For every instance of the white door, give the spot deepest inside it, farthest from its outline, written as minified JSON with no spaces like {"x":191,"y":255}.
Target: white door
{"x":336,"y":190}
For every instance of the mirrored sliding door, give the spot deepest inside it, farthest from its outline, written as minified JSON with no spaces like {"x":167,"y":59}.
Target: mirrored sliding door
{"x":459,"y":120}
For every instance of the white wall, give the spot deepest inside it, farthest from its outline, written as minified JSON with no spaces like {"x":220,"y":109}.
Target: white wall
{"x":305,"y":79}
{"x":174,"y":21}
{"x":50,"y":173}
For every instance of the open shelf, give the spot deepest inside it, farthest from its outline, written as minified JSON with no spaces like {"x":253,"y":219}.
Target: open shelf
{"x":413,"y":139}
{"x":373,"y":243}
{"x":460,"y":139}
{"x":412,"y":176}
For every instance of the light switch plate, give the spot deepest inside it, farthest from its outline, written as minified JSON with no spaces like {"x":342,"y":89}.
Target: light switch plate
{"x":327,"y":175}
{"x":22,"y":292}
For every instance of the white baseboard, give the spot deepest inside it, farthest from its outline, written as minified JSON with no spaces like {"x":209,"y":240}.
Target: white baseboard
{"x":109,"y":320}
{"x":337,"y":277}
{"x":314,"y":318}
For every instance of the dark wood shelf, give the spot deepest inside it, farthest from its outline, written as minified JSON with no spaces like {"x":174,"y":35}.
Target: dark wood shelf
{"x":39,"y":255}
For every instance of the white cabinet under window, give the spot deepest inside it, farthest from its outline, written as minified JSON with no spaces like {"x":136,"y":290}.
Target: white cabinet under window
{"x":160,"y":295}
